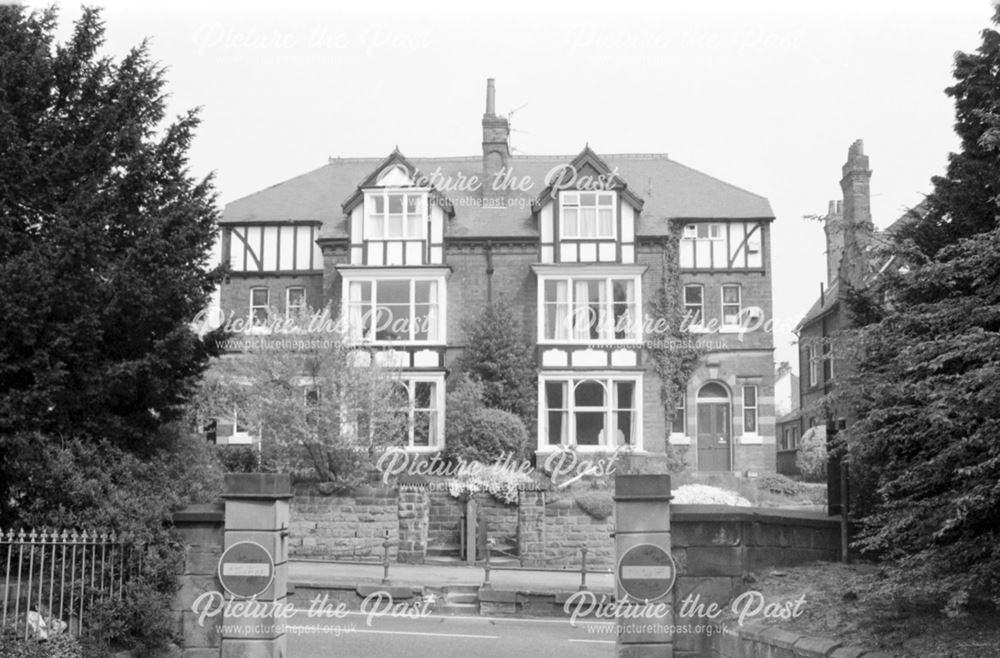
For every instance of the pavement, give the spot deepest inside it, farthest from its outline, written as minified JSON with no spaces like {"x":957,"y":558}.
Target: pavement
{"x":309,"y":573}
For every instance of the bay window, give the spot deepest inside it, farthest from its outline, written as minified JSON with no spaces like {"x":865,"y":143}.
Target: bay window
{"x":393,"y":310}
{"x":591,"y":309}
{"x":595,"y":412}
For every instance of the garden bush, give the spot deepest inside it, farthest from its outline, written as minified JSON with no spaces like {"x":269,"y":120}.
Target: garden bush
{"x":59,"y":646}
{"x":779,"y":484}
{"x":598,"y":504}
{"x":491,"y":435}
{"x":811,"y":458}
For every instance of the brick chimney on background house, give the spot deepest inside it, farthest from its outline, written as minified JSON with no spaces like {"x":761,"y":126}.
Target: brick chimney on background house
{"x":496,"y":142}
{"x":857,"y":215}
{"x":833,"y":226}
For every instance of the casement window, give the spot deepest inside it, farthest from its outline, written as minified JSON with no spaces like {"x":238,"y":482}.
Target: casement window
{"x":694,"y":304}
{"x":295,"y":301}
{"x":259,"y":305}
{"x":277,"y":248}
{"x":812,"y":356}
{"x":732,"y":305}
{"x":593,"y":412}
{"x":591,"y":309}
{"x":587,"y":215}
{"x":420,"y":406}
{"x":679,"y":425}
{"x":722,"y":246}
{"x":395,"y":215}
{"x":750,"y":410}
{"x":704,"y":232}
{"x":394,"y":310}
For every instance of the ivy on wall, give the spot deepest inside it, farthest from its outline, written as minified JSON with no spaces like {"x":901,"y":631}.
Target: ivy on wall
{"x":672,"y":349}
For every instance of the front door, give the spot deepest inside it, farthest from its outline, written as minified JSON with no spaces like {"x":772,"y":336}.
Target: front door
{"x":713,"y":436}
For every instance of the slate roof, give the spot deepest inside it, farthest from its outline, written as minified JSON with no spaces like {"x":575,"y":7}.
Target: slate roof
{"x":669,"y":190}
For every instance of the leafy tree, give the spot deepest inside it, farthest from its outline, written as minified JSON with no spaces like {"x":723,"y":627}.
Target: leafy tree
{"x":925,"y":392}
{"x":104,"y":239}
{"x":499,"y":357}
{"x":324,"y":413}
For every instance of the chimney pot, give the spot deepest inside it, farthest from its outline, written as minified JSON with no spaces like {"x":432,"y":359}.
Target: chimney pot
{"x":496,"y":144}
{"x":491,"y":110}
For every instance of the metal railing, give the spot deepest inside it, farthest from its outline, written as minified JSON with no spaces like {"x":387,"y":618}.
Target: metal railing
{"x":53,"y":579}
{"x":582,"y":551}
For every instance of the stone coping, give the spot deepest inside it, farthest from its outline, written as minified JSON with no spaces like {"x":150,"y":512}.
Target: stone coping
{"x":201,"y":513}
{"x":777,"y":516}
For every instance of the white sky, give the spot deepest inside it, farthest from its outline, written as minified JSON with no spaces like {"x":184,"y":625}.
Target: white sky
{"x":765,"y":95}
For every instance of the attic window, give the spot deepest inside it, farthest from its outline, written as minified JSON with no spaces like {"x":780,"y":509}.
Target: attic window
{"x":394,"y":215}
{"x":703,"y":232}
{"x":587,"y":214}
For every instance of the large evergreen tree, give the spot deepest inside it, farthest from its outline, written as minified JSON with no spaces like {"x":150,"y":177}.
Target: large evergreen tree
{"x":927,"y":391}
{"x":104,"y":236}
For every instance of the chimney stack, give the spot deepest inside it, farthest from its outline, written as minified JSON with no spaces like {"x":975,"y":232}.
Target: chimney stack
{"x":857,"y":215}
{"x":496,"y":143}
{"x":833,"y":226}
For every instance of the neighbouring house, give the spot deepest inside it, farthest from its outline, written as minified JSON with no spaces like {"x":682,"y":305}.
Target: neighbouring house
{"x":409,"y":250}
{"x":787,"y":412}
{"x":853,"y":259}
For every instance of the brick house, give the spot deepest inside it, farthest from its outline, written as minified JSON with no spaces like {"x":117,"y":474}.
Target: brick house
{"x":572,"y":243}
{"x":852,"y":256}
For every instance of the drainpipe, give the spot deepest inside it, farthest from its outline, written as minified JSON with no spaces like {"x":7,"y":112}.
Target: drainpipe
{"x":489,"y":272}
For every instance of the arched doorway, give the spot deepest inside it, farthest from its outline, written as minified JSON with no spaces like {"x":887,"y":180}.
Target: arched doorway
{"x":714,"y":428}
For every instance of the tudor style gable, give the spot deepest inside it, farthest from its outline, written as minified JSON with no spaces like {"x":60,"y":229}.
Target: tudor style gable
{"x":396,"y":218}
{"x":587,"y":214}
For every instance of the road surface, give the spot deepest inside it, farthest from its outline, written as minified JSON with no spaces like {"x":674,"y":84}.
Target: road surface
{"x":445,"y":636}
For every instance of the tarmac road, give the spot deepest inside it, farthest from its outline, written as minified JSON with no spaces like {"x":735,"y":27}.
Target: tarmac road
{"x":446,"y":636}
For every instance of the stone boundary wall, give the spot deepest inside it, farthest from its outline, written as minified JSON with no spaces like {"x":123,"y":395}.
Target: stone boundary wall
{"x":715,"y":547}
{"x":345,"y":526}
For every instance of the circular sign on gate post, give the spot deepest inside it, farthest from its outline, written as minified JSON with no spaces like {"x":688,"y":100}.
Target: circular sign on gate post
{"x":646,"y":572}
{"x":246,"y":569}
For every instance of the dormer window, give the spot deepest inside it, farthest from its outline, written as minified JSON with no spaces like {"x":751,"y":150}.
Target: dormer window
{"x":587,"y":215}
{"x":394,"y":215}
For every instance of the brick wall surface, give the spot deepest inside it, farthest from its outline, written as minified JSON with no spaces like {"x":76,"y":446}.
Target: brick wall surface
{"x":235,"y":295}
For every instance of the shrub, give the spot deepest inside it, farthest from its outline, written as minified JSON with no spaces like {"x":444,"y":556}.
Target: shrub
{"x":59,"y":646}
{"x":465,"y":399}
{"x":491,"y":435}
{"x":239,"y":459}
{"x":779,"y":484}
{"x":598,"y":504}
{"x":811,"y":458}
